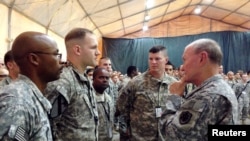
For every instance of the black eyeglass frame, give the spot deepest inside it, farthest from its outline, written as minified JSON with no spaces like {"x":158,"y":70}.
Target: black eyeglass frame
{"x":58,"y":55}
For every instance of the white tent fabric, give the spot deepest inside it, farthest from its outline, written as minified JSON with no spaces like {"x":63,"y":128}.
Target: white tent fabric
{"x":120,"y":18}
{"x":116,"y":18}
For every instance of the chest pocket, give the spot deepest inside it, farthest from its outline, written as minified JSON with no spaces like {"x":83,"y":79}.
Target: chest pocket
{"x":143,"y":98}
{"x":80,"y":104}
{"x":188,"y":117}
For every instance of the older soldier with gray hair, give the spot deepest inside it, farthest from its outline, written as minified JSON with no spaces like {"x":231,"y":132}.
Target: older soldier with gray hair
{"x":143,"y":99}
{"x":74,"y":110}
{"x":212,"y":102}
{"x":23,"y":108}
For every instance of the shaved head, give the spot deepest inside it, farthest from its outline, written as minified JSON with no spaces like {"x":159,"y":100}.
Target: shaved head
{"x":37,"y":56}
{"x":28,"y":42}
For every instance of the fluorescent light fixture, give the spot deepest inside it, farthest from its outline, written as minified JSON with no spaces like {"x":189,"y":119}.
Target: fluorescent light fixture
{"x":197,"y":10}
{"x":147,"y":17}
{"x":150,"y":3}
{"x":207,"y":1}
{"x":145,"y":27}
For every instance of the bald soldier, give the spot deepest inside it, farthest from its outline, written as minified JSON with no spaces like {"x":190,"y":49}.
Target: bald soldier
{"x":212,"y":102}
{"x":23,"y":108}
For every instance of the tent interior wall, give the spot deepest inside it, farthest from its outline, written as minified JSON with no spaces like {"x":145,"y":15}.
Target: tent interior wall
{"x":20,"y":23}
{"x":177,"y":19}
{"x":235,"y":47}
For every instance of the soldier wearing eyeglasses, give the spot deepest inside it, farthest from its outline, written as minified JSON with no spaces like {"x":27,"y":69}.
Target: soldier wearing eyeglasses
{"x":23,"y":107}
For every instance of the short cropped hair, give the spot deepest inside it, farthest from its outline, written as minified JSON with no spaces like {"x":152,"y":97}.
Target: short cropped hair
{"x":211,"y":47}
{"x":96,"y":71}
{"x":131,"y":69}
{"x":169,"y":63}
{"x":105,"y":58}
{"x":90,"y":70}
{"x":8,"y":57}
{"x":156,"y":49}
{"x":77,"y":33}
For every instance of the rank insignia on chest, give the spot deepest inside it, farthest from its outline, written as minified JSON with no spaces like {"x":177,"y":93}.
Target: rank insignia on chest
{"x":185,"y":117}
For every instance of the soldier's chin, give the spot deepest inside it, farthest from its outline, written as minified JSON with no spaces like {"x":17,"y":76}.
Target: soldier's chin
{"x":106,"y":85}
{"x":58,"y":75}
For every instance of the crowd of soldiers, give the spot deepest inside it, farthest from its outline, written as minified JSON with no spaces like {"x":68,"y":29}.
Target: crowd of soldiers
{"x":43,"y":99}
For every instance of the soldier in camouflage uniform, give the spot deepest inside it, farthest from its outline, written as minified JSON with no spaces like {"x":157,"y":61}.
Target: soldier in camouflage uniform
{"x":242,"y":91}
{"x":132,"y":71}
{"x":23,"y":108}
{"x":105,"y":104}
{"x":74,"y":114}
{"x":106,"y":63}
{"x":212,"y":102}
{"x":12,"y":67}
{"x":231,"y":81}
{"x":143,"y":99}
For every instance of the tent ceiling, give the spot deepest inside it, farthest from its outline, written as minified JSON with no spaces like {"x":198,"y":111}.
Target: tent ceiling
{"x":116,"y":18}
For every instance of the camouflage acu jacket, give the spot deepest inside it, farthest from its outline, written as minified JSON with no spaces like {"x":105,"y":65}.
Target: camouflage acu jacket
{"x":211,"y":103}
{"x":140,"y":99}
{"x":74,"y":95}
{"x":24,"y":112}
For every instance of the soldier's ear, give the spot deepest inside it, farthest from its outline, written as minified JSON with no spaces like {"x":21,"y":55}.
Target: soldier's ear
{"x":33,"y":58}
{"x":77,"y":49}
{"x":166,"y":60}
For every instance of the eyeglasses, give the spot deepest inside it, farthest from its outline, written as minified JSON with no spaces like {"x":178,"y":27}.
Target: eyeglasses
{"x":58,"y":55}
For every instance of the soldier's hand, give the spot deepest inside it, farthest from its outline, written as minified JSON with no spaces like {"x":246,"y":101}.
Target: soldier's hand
{"x":178,"y":87}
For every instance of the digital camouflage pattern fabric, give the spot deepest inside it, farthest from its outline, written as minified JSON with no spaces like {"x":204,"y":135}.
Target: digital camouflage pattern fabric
{"x":242,"y":92}
{"x":105,"y":108}
{"x":139,"y":100}
{"x":6,"y":81}
{"x":24,"y":112}
{"x":78,"y":118}
{"x":207,"y":104}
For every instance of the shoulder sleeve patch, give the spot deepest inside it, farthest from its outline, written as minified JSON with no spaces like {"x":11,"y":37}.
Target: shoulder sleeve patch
{"x":21,"y":134}
{"x":18,"y":133}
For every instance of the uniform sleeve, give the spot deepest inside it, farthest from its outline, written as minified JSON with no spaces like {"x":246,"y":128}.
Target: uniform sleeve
{"x":112,"y":107}
{"x":192,"y":119}
{"x":124,"y":101}
{"x":15,"y":119}
{"x":58,"y":93}
{"x":56,"y":88}
{"x":245,"y":105}
{"x":237,"y":89}
{"x":222,"y":115}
